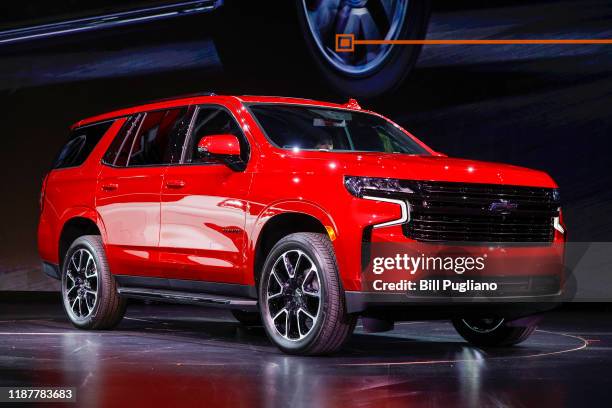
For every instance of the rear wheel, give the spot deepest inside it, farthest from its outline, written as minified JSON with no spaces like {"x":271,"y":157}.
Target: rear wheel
{"x":89,"y":290}
{"x":301,"y":298}
{"x":492,"y":332}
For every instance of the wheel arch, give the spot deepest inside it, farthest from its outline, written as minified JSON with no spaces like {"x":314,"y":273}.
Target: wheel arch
{"x":281,"y":220}
{"x":77,"y":223}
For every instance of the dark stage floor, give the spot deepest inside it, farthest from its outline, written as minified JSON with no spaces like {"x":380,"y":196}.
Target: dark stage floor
{"x":196,"y":356}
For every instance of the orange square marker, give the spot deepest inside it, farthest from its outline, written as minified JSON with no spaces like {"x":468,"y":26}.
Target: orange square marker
{"x":345,"y":42}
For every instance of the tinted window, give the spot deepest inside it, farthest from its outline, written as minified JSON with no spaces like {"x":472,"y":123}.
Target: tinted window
{"x":213,"y":121}
{"x":316,"y":128}
{"x":80,"y":144}
{"x":160,"y":138}
{"x":119,"y":151}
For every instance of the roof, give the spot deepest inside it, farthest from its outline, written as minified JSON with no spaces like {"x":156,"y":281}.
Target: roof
{"x":203,"y":98}
{"x":288,"y":100}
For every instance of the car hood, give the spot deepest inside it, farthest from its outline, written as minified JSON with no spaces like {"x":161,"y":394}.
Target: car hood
{"x":433,"y":168}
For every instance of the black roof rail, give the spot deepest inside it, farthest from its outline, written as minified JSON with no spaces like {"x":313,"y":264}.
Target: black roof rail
{"x":278,"y":96}
{"x":170,"y":98}
{"x":166,"y":99}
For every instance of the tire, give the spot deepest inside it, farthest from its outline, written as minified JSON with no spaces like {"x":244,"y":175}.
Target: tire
{"x":106,"y":308}
{"x":497,"y":333}
{"x":315,"y":321}
{"x":247,"y":318}
{"x":274,"y":42}
{"x":352,"y":74}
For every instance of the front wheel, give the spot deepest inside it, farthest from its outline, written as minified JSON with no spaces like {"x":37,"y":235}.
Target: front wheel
{"x":301,"y":298}
{"x":492,"y":332}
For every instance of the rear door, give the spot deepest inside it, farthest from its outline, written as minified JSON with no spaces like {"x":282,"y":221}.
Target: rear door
{"x":129,"y":187}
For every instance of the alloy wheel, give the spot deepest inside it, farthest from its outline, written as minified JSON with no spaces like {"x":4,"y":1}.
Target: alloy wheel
{"x":293,"y":295}
{"x":80,"y":288}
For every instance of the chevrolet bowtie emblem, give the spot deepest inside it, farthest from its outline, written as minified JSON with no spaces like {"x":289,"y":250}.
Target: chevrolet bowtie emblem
{"x":502,"y":206}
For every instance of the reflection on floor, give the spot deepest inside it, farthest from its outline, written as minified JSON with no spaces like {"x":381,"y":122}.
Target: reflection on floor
{"x":181,"y":354}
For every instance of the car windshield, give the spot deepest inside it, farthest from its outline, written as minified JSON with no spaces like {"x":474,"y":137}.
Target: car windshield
{"x":318,"y":128}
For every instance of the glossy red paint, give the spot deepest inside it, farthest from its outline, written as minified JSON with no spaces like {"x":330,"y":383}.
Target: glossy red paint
{"x":203,"y":233}
{"x":128,"y":202}
{"x":226,"y":145}
{"x":204,"y":222}
{"x":69,"y":194}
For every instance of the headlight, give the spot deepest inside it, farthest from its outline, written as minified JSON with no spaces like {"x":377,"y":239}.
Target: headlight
{"x":555,"y":195}
{"x":360,"y":186}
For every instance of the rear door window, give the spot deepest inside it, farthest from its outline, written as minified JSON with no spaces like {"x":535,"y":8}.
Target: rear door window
{"x":119,"y":151}
{"x":81,"y":143}
{"x":160,"y":137}
{"x":149,"y":139}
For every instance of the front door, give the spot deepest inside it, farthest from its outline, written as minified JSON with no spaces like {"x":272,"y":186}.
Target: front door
{"x":203,"y":208}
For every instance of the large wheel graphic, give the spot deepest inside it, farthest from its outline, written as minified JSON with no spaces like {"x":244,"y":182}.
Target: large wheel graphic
{"x":370,"y":70}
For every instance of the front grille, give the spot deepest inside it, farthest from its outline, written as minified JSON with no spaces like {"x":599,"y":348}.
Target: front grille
{"x":461,"y":212}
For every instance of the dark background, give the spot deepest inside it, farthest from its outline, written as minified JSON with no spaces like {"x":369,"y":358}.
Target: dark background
{"x":540,"y":106}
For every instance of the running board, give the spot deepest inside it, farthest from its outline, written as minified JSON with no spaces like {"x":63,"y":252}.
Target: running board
{"x":202,"y":299}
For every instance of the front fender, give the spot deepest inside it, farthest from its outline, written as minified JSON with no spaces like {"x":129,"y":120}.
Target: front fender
{"x":289,"y":206}
{"x":260,"y":215}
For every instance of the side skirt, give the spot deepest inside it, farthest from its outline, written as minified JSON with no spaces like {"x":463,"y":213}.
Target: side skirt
{"x":225,"y":295}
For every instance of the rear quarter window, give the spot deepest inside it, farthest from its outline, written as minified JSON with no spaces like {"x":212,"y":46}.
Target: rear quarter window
{"x":80,"y":144}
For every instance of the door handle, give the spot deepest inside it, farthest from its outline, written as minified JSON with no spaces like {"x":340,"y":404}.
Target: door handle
{"x":175,"y":184}
{"x":110,"y":186}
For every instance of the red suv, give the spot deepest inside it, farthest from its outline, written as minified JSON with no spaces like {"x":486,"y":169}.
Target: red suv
{"x":272,"y":207}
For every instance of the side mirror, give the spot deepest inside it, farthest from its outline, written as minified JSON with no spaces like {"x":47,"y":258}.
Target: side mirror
{"x":224,"y":147}
{"x":219,"y":145}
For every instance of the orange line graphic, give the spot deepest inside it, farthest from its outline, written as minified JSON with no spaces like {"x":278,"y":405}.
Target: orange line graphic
{"x":347,"y":42}
{"x":490,"y":42}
